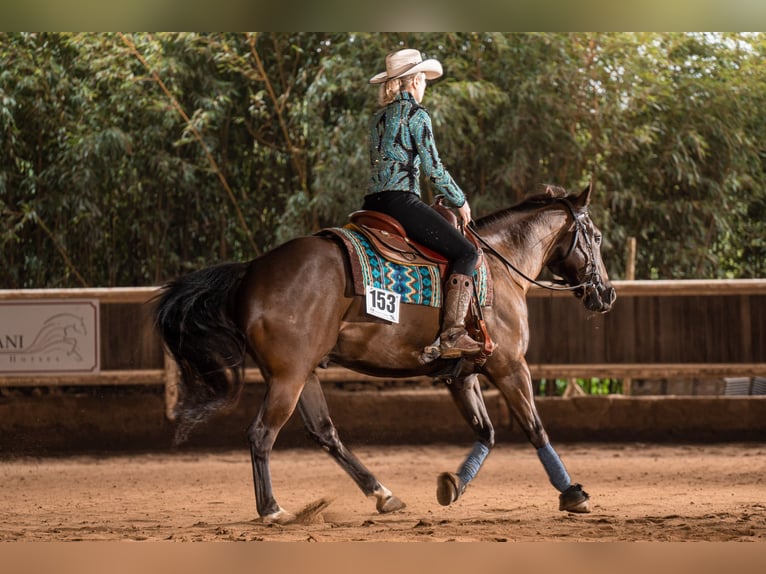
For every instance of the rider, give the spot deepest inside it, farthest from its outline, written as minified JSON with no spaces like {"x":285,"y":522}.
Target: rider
{"x":401,"y":143}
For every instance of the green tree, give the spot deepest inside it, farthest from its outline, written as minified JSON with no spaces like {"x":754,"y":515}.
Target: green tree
{"x":129,"y":159}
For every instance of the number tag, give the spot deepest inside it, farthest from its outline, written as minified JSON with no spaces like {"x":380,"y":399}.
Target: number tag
{"x":383,"y":304}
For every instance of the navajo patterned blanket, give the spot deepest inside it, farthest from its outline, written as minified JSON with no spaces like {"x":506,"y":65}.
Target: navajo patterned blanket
{"x":416,"y":284}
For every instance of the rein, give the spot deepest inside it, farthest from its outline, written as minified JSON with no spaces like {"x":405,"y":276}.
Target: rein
{"x":578,"y":225}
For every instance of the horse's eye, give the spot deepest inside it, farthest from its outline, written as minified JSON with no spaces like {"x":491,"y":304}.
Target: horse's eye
{"x":597,"y":238}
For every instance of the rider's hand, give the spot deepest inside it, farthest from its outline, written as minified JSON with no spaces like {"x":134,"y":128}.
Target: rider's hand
{"x":465,"y":213}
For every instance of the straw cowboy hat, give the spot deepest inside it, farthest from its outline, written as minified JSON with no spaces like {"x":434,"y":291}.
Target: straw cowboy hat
{"x":406,"y":62}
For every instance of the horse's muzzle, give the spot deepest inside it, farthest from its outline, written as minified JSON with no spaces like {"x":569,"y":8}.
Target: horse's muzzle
{"x":599,"y":299}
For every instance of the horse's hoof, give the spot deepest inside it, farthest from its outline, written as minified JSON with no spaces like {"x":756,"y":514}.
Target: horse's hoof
{"x":449,"y":487}
{"x":279,"y":517}
{"x":389,"y":504}
{"x":574,"y":499}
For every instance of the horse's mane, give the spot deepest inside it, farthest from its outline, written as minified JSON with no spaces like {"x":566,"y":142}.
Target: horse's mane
{"x":529,"y":203}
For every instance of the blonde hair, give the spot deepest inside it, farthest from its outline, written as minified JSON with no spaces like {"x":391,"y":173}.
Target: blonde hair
{"x":390,"y":88}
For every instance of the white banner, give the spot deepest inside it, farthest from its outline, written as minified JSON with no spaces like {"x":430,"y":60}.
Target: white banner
{"x":49,"y":336}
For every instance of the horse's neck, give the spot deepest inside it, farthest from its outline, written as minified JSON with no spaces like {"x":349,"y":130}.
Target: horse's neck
{"x":525,"y":238}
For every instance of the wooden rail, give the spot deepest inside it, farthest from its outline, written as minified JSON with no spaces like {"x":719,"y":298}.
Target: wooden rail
{"x":150,"y":377}
{"x":660,"y":287}
{"x":103,"y":294}
{"x":161,"y":376}
{"x":119,"y":296}
{"x":672,"y":287}
{"x":168,"y":377}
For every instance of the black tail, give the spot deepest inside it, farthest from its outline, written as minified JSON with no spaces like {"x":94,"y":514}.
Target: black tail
{"x":195,"y":317}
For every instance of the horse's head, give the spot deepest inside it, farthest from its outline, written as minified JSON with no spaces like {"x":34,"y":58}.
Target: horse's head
{"x":577,"y":256}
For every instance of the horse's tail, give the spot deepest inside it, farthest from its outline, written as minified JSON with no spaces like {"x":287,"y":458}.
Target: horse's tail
{"x":195,"y":316}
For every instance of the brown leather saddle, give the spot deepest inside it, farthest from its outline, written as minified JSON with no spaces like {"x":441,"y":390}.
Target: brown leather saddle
{"x":389,"y":238}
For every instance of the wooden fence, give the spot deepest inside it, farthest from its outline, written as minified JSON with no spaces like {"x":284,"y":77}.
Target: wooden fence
{"x":657,"y":329}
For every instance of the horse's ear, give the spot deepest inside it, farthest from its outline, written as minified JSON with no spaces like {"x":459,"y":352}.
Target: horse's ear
{"x":583,"y":199}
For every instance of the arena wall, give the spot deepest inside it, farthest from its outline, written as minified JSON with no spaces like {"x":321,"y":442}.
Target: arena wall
{"x":672,"y":343}
{"x":120,"y":419}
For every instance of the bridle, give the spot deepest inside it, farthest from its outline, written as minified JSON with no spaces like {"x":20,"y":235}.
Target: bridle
{"x":591,"y":276}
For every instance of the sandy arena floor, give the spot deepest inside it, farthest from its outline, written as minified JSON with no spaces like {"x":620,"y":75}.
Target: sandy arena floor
{"x":639,"y":493}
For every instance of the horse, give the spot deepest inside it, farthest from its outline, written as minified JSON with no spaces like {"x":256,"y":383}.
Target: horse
{"x":291,"y":310}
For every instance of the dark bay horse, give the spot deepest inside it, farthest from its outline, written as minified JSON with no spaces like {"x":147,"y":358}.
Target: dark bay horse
{"x":291,"y":311}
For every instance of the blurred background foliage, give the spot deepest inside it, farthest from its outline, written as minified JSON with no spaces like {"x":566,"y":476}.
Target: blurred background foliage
{"x":128,"y":159}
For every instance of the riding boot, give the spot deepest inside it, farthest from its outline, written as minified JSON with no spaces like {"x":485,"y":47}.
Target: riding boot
{"x":454,"y":339}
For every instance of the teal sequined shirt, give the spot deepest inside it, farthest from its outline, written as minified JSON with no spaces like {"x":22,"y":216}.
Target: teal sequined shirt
{"x":401,"y":143}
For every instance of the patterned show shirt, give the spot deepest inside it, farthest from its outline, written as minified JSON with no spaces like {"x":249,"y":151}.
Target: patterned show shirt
{"x":401,"y":143}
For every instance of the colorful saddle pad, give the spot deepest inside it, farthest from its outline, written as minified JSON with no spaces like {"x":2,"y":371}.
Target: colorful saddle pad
{"x":416,"y":284}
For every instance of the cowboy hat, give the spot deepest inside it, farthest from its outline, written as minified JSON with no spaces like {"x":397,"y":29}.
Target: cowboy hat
{"x":406,"y":62}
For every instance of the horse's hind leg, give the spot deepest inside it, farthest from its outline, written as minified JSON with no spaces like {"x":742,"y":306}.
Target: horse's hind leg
{"x":313,"y":408}
{"x":467,"y":395}
{"x":277,"y":407}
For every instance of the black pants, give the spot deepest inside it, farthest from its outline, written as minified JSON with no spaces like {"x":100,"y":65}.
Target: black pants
{"x":426,"y":226}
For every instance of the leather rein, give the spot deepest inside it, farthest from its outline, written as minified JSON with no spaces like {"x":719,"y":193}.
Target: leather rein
{"x":590,"y":271}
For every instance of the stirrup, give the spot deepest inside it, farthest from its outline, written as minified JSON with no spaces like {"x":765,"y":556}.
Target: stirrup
{"x":457,"y":353}
{"x":454,"y":350}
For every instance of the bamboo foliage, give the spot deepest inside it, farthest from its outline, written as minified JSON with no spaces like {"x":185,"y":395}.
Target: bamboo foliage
{"x":127,"y":159}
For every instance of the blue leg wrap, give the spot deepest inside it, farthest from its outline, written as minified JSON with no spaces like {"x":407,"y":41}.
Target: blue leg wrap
{"x":473,"y":462}
{"x":554,"y":467}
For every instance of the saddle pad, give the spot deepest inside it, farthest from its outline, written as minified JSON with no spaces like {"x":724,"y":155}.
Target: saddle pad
{"x":416,"y":284}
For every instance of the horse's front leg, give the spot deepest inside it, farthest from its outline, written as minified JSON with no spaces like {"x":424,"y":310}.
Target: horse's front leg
{"x":316,"y":417}
{"x":467,"y":395}
{"x":516,"y":388}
